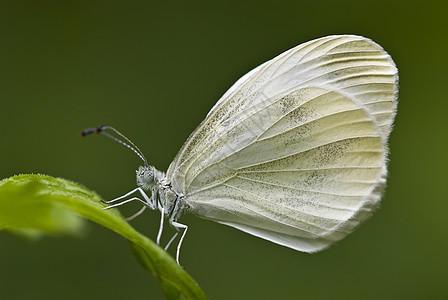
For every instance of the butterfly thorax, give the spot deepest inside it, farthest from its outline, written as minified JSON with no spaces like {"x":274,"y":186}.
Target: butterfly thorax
{"x":162,"y":195}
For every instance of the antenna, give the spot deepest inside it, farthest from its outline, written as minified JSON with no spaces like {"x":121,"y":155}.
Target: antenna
{"x":123,"y":141}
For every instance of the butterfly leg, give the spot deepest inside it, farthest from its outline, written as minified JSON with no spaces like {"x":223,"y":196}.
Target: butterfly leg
{"x":124,"y":202}
{"x":162,"y":217}
{"x":148,"y":202}
{"x":171,"y":240}
{"x":179,"y":226}
{"x":130,"y":218}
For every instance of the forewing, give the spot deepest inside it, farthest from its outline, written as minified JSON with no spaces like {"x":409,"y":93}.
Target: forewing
{"x":295,"y":151}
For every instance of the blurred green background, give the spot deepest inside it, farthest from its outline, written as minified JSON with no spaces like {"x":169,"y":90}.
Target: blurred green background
{"x":153,"y":70}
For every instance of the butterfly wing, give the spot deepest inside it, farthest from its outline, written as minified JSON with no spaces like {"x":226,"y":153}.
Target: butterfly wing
{"x":295,"y":152}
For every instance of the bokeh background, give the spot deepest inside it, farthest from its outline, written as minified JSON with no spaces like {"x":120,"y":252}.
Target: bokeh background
{"x":153,"y":70}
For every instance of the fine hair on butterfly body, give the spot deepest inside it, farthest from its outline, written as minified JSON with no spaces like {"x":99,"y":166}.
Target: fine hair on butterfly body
{"x":295,"y":152}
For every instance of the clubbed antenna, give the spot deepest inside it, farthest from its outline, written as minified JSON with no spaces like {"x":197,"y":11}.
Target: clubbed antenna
{"x":123,"y":141}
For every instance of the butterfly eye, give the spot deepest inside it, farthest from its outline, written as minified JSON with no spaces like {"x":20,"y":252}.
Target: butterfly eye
{"x":146,"y":178}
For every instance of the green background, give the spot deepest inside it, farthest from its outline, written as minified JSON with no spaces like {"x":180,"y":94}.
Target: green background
{"x":154,"y":70}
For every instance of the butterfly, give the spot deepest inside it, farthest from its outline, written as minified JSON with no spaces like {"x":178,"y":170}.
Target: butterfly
{"x":295,"y":152}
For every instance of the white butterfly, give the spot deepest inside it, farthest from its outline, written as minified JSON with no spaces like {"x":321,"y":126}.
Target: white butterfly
{"x":295,"y":151}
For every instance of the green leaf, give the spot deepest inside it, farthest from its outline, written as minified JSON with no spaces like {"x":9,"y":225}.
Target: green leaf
{"x":33,"y":205}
